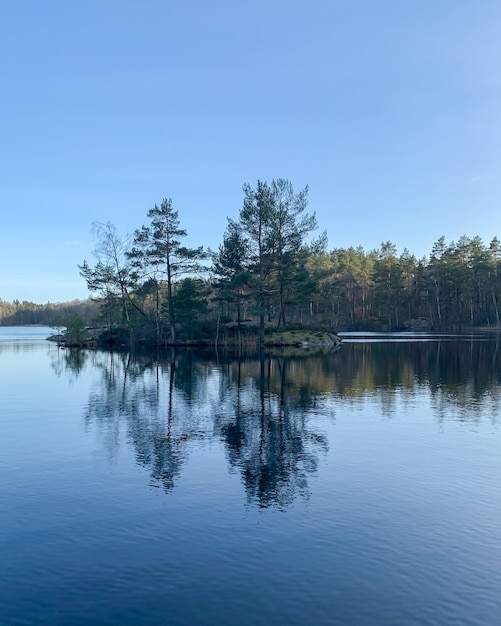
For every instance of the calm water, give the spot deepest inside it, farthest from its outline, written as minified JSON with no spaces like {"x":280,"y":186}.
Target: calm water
{"x":357,"y":487}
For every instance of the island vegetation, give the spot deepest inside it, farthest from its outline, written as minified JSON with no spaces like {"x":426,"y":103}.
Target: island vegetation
{"x":270,"y":281}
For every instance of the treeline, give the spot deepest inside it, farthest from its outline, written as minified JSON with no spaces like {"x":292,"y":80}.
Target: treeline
{"x":23,"y":313}
{"x":456,"y":287}
{"x":271,"y":272}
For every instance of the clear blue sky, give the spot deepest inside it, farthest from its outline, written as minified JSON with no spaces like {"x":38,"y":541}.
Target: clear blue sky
{"x":389,"y":110}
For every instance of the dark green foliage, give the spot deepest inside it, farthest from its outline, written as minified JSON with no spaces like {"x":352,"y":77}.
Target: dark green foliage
{"x":274,"y":225}
{"x":268,"y":274}
{"x":190,"y":302}
{"x":75,"y":333}
{"x":231,"y":270}
{"x":158,"y":256}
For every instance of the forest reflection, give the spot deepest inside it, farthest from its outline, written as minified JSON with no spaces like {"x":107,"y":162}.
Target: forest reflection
{"x":265,"y":411}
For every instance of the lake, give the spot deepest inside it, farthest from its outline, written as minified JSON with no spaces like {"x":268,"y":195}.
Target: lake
{"x":354,"y":487}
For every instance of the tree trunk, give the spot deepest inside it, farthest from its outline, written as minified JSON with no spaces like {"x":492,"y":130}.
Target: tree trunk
{"x":170,"y":301}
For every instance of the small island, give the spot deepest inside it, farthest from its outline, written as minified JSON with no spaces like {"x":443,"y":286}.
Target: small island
{"x":270,"y":284}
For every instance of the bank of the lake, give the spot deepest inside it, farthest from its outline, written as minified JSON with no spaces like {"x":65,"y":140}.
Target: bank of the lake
{"x":244,"y":338}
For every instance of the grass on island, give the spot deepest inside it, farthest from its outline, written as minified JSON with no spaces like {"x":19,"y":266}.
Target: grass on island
{"x":296,"y":337}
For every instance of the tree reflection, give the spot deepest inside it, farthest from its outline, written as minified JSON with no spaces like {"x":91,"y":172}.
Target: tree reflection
{"x":140,"y":393}
{"x":265,"y":410}
{"x":168,"y":403}
{"x":267,"y":437}
{"x":461,"y":376}
{"x":68,"y":361}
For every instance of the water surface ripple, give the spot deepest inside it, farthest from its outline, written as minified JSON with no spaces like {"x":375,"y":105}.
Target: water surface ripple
{"x":361,"y":487}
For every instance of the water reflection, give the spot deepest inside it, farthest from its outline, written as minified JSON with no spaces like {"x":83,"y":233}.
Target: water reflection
{"x":167,"y":404}
{"x":267,"y":433}
{"x":264,"y":410}
{"x":68,"y":361}
{"x":462,"y":377}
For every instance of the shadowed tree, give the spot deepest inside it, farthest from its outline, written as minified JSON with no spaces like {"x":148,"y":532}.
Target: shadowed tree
{"x":408,"y":269}
{"x":290,"y":226}
{"x":157,"y":249}
{"x":388,"y":282}
{"x":256,"y":221}
{"x":437,"y":273}
{"x":494,"y":261}
{"x":274,"y":222}
{"x":190,"y":302}
{"x":230,"y":267}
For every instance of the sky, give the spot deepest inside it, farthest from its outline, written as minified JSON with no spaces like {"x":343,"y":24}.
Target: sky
{"x":389,"y":110}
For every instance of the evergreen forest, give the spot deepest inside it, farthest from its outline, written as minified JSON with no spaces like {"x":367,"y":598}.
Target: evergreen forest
{"x":271,"y":272}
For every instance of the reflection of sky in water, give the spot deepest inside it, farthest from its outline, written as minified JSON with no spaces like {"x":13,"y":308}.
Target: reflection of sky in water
{"x":412,"y":337}
{"x":355,"y":488}
{"x":24,"y":334}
